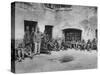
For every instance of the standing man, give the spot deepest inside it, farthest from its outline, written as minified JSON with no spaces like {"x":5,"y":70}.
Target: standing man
{"x":32,"y":39}
{"x":27,"y":37}
{"x":37,"y":40}
{"x":27,"y":42}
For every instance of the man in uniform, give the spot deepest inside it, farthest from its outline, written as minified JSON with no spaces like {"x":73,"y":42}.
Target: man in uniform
{"x":37,"y":41}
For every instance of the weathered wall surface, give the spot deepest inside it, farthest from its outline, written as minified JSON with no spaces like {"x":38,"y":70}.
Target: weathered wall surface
{"x":79,"y":17}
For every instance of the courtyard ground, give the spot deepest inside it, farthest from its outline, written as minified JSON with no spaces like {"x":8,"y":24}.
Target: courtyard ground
{"x":59,"y":61}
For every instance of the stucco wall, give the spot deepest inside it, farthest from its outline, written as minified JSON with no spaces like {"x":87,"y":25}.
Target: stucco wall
{"x":80,"y":17}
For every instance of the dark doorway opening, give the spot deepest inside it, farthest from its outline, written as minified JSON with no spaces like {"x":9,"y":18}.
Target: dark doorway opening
{"x":48,"y":31}
{"x":72,"y":34}
{"x":28,"y":27}
{"x":30,"y":24}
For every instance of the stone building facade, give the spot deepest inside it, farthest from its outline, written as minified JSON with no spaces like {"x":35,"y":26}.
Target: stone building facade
{"x":61,"y":17}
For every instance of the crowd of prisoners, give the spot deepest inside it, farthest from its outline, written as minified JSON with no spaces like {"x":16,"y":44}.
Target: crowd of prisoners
{"x":48,"y":45}
{"x":55,"y":45}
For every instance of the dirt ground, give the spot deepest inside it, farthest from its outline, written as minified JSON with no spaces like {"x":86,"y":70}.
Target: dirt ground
{"x":58,"y":61}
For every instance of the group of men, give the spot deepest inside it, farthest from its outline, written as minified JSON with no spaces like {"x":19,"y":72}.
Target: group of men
{"x":31,"y":44}
{"x":33,"y":40}
{"x":57,"y":45}
{"x":81,"y":45}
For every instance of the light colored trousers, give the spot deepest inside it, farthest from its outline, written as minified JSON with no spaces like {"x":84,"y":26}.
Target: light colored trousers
{"x":37,"y":47}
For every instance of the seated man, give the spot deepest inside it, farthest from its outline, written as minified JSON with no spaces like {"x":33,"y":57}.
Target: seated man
{"x":79,"y":44}
{"x":56,"y":45}
{"x":88,"y":45}
{"x":83,"y":45}
{"x":28,"y":51}
{"x":20,"y":52}
{"x":62,"y":44}
{"x":94,"y":44}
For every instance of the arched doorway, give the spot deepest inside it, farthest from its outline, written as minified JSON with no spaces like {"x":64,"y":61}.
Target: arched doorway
{"x":72,"y":34}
